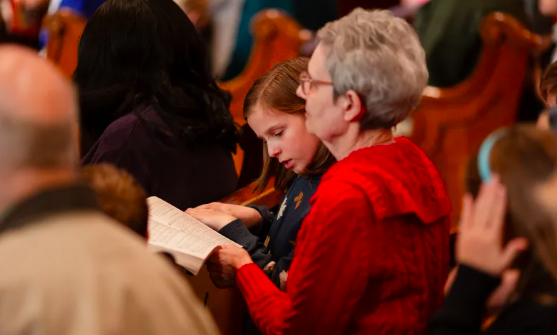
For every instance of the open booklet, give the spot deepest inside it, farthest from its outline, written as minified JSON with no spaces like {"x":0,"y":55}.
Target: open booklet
{"x":188,"y":240}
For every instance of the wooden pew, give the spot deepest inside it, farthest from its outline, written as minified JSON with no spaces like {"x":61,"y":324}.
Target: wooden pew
{"x":450,"y":124}
{"x":277,"y":38}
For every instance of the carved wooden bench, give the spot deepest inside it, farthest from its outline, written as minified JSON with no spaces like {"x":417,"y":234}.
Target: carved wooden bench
{"x":451,"y":123}
{"x":64,"y":29}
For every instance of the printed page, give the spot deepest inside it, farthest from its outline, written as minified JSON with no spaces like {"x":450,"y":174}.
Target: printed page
{"x":176,"y":232}
{"x":163,"y":238}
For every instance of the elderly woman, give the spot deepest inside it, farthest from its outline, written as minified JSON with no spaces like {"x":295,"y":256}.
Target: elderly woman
{"x":373,"y":253}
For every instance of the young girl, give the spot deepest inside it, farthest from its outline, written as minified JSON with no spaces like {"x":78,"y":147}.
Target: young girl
{"x":294,"y":157}
{"x":516,"y":205}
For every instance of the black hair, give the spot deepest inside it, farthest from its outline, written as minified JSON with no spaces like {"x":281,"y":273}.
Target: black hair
{"x":139,"y":51}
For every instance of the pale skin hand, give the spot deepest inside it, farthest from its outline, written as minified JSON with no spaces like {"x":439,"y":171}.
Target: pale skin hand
{"x":543,"y":121}
{"x":211,"y":218}
{"x":479,"y":244}
{"x":248,"y":215}
{"x":224,"y":262}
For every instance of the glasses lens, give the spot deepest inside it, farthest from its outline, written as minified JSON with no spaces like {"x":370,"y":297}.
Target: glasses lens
{"x":305,"y":82}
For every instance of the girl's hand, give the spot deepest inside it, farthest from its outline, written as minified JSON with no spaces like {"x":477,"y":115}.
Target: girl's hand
{"x":211,"y":218}
{"x":248,"y":215}
{"x":479,"y":243}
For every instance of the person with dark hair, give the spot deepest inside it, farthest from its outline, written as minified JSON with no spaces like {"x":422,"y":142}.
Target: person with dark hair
{"x":119,"y":196}
{"x":149,"y":105}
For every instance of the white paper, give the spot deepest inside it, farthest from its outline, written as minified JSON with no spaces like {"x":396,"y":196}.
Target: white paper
{"x":190,"y":241}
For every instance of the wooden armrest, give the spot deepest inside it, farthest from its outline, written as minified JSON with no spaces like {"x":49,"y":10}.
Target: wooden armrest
{"x":496,"y":29}
{"x":451,"y":123}
{"x":64,"y":29}
{"x":246,"y":196}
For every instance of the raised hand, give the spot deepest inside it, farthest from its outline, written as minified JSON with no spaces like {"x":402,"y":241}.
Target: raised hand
{"x":480,"y":239}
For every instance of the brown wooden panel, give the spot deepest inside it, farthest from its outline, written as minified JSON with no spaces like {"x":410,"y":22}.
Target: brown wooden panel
{"x":64,"y":29}
{"x":247,"y":196}
{"x":227,"y":306}
{"x":451,"y":123}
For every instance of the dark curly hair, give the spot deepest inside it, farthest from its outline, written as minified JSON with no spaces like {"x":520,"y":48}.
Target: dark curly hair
{"x":140,"y":51}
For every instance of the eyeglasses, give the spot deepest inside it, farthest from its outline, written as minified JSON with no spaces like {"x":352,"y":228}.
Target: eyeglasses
{"x":306,"y":82}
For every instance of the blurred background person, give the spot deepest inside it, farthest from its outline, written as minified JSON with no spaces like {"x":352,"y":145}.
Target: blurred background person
{"x":72,"y":269}
{"x":150,"y":106}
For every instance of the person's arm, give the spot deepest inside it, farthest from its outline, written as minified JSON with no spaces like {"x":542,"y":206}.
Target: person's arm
{"x":482,"y":257}
{"x":464,"y":307}
{"x":329,"y":273}
{"x":267,"y":218}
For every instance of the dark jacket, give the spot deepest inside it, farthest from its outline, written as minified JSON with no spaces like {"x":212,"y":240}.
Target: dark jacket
{"x":463,"y":310}
{"x":273,"y":247}
{"x":151,"y":150}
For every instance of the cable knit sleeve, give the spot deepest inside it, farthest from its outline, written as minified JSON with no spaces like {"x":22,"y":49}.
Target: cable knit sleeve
{"x":329,"y":272}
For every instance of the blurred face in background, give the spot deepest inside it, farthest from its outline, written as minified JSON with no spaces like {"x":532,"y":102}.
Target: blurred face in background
{"x":548,"y":7}
{"x":23,"y":16}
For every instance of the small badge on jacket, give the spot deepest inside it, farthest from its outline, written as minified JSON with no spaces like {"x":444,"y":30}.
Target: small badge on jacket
{"x":298,"y":199}
{"x":282,"y":208}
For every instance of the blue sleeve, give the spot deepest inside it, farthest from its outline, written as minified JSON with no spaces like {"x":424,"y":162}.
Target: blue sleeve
{"x":267,"y":218}
{"x":85,"y":7}
{"x":270,"y":264}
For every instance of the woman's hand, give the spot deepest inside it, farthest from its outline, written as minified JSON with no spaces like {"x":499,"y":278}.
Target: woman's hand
{"x":224,"y":262}
{"x":480,"y":236}
{"x":211,"y":218}
{"x":248,"y":215}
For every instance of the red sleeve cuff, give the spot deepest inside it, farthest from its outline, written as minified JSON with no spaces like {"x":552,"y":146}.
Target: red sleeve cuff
{"x":253,"y":283}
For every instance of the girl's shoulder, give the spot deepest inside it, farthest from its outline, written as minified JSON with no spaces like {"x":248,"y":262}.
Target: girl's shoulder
{"x":308,"y":183}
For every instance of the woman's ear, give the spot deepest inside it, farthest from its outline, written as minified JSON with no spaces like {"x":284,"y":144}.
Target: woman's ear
{"x":352,"y":106}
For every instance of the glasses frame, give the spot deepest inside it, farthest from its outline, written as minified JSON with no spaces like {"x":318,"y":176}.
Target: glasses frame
{"x":305,"y":79}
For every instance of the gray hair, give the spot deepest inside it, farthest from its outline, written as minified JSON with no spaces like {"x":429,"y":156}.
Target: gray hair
{"x":29,"y":144}
{"x":380,"y":57}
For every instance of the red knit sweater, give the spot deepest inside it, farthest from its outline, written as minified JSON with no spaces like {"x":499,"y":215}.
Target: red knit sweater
{"x":372,"y":255}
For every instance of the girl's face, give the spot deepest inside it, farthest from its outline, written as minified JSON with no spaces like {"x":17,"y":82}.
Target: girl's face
{"x":286,"y":137}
